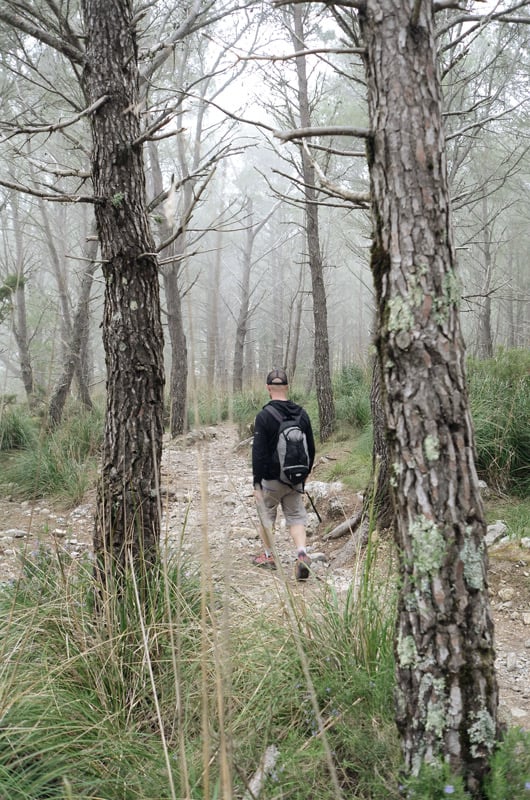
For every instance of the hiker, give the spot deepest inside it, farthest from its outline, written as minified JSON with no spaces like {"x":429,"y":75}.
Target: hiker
{"x":272,"y":488}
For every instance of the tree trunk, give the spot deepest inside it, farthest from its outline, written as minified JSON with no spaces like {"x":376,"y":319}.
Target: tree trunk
{"x":127,"y":527}
{"x":322,"y":369}
{"x":75,"y":346}
{"x":245,"y":311}
{"x":178,"y":378}
{"x":212,"y":331}
{"x":295,"y":326}
{"x":20,"y":326}
{"x":446,"y":684}
{"x":244,"y":306}
{"x":61,"y":276}
{"x":485,"y":336}
{"x":178,"y":381}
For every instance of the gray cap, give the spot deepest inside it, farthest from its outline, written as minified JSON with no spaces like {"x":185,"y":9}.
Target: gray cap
{"x":277,"y":377}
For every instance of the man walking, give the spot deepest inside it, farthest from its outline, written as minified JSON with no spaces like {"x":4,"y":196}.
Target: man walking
{"x":269,"y":491}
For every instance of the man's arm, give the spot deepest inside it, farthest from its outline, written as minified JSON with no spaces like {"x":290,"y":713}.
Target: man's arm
{"x":259,"y":451}
{"x":310,"y":443}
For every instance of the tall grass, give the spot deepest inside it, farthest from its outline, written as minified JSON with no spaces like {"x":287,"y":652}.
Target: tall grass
{"x":352,"y":397}
{"x":165,"y":700}
{"x":121,"y":705}
{"x":17,"y":429}
{"x":209,"y":408}
{"x":500,"y":406}
{"x":60,"y":463}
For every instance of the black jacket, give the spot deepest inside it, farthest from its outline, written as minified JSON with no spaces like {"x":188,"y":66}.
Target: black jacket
{"x":266,"y":434}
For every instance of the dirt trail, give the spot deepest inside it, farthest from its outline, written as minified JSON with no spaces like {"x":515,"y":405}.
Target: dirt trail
{"x":209,"y":516}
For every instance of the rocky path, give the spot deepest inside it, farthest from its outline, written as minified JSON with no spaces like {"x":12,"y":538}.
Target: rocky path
{"x":209,"y":517}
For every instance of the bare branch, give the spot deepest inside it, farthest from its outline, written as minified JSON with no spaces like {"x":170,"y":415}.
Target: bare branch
{"x":73,"y":53}
{"x":506,"y":15}
{"x":361,"y":199}
{"x":441,"y":5}
{"x":55,"y":126}
{"x":334,"y":151}
{"x":57,"y":198}
{"x":358,"y":4}
{"x":315,"y":51}
{"x":481,"y":122}
{"x":332,"y":130}
{"x":59,"y":173}
{"x":148,"y":134}
{"x":188,"y":212}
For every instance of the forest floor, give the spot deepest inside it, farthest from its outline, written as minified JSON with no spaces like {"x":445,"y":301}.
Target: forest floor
{"x":209,"y":516}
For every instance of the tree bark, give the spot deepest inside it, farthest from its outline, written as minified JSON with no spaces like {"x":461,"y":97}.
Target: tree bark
{"x":127,"y":526}
{"x":322,"y":369}
{"x":378,"y":496}
{"x":446,"y":684}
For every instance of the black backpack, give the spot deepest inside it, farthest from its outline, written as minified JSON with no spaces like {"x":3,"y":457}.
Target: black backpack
{"x":291,"y":448}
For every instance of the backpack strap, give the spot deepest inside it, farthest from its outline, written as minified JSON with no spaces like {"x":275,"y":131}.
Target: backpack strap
{"x":280,"y":418}
{"x":275,"y":413}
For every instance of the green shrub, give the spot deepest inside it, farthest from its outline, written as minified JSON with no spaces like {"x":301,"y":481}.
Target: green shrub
{"x":510,"y":767}
{"x":208,"y":408}
{"x":350,"y":379}
{"x":499,"y":391}
{"x":17,"y":429}
{"x":81,"y":431}
{"x":434,"y":782}
{"x":351,"y":388}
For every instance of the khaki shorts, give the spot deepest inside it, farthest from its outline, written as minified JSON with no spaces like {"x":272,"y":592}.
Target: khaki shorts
{"x":276,"y":493}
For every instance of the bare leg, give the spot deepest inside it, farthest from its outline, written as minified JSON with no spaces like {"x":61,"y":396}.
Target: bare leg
{"x":298,"y":535}
{"x":265,"y":527}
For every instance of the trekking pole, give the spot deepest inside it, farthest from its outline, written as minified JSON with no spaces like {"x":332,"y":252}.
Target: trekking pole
{"x":314,"y":507}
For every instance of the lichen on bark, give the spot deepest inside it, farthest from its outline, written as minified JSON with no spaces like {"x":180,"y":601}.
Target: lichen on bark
{"x":429,"y":546}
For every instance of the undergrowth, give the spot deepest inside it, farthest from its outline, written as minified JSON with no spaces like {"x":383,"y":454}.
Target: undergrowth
{"x":183,"y":697}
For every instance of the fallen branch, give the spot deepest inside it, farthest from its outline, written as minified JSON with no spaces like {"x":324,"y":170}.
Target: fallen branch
{"x":348,"y":526}
{"x":267,"y":765}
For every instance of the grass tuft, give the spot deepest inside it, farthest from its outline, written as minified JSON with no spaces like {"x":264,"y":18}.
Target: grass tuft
{"x":500,"y":407}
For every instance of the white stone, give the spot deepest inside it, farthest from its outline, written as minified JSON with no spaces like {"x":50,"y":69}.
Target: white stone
{"x":511,"y":662}
{"x":320,"y":489}
{"x":495,"y":532}
{"x":518,"y":713}
{"x":16,"y":533}
{"x":506,"y":593}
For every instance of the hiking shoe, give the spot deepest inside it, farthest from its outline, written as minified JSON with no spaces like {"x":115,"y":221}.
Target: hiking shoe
{"x":301,"y":567}
{"x":264,"y":561}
